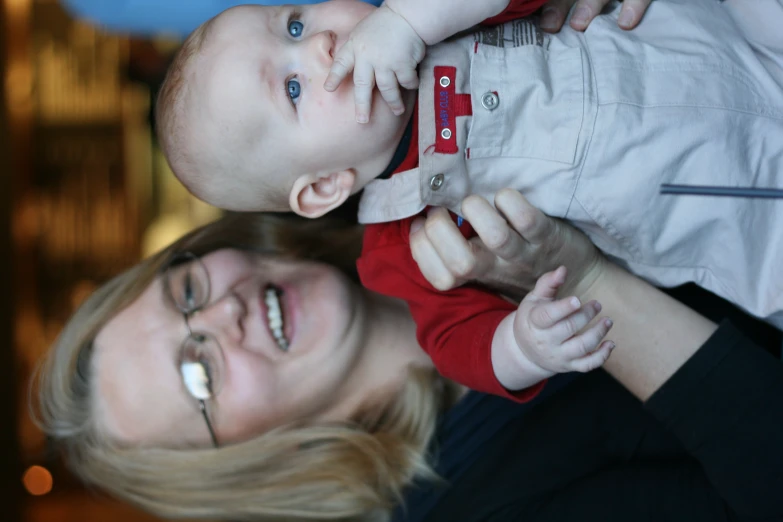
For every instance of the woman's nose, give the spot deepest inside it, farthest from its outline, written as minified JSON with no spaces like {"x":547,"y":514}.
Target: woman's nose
{"x":223,"y":317}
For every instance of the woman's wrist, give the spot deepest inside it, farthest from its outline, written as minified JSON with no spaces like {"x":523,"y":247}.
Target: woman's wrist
{"x":582,"y":284}
{"x":654,"y":333}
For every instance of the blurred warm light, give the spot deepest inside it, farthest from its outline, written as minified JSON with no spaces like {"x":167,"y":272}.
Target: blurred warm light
{"x":163,"y":231}
{"x":167,"y":43}
{"x":29,"y":328}
{"x":17,"y":8}
{"x":169,"y":227}
{"x":37,"y":480}
{"x":19,"y":87}
{"x":81,"y":291}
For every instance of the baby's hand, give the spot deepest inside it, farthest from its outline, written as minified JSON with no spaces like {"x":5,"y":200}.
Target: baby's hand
{"x":383,"y":50}
{"x":549,"y":334}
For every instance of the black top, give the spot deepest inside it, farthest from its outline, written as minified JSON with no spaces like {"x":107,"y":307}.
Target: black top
{"x":708,"y":446}
{"x":462,"y":437}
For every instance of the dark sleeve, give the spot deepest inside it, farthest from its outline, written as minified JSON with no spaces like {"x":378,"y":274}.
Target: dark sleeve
{"x":455,"y":327}
{"x":707,"y":447}
{"x":652,"y":492}
{"x":726,"y":407}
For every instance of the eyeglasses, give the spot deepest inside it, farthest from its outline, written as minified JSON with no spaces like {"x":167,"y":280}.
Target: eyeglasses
{"x":200,"y":358}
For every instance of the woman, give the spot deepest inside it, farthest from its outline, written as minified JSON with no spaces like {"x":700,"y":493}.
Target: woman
{"x":177,"y":386}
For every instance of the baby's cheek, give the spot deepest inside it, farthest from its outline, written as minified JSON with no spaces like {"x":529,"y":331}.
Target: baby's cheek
{"x":336,"y":107}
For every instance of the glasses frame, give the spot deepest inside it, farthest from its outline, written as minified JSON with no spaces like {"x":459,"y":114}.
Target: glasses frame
{"x":177,"y":259}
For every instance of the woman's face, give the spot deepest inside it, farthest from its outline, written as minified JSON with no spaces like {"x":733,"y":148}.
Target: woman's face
{"x":140,"y":395}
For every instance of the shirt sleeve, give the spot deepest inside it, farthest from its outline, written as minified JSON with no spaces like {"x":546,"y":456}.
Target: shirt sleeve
{"x":148,"y":17}
{"x":724,"y":406}
{"x":515,"y":9}
{"x":455,"y":327}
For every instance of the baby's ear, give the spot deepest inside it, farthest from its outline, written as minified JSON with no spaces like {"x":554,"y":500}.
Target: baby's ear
{"x":313,"y":196}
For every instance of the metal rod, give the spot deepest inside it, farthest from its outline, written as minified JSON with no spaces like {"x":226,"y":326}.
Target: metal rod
{"x":737,"y":192}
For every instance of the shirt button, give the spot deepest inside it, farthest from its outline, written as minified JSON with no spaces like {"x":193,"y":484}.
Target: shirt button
{"x":436,"y":181}
{"x":490,"y":101}
{"x":445,"y":134}
{"x":444,"y":81}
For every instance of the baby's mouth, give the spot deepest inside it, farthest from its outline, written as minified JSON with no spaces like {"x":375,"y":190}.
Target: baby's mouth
{"x":274,"y":316}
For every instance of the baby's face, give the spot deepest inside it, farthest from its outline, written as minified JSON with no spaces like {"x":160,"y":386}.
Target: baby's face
{"x":259,"y":83}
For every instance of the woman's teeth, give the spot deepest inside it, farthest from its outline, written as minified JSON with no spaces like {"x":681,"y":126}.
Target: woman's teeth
{"x":274,"y":316}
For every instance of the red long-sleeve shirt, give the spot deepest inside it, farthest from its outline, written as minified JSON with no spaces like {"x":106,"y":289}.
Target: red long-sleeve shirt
{"x":455,"y":327}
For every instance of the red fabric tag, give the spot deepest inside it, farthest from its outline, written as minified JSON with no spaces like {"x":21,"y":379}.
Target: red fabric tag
{"x":448,"y":105}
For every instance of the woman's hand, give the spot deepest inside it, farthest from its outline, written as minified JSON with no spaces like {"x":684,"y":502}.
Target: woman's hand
{"x":516,"y":244}
{"x":555,"y":11}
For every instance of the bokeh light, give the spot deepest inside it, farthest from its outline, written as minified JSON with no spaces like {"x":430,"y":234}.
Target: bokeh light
{"x":37,"y":480}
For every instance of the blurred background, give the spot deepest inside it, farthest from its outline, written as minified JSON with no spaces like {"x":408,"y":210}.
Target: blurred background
{"x":85,"y":193}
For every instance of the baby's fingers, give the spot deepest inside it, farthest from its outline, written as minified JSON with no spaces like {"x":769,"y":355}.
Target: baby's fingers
{"x":593,"y":360}
{"x":390,"y":91}
{"x":408,"y":77}
{"x":363,"y":83}
{"x":548,"y":313}
{"x":341,"y":67}
{"x":584,"y":344}
{"x":572,"y":324}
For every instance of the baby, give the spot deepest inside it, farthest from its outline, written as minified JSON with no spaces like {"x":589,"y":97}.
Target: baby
{"x":586,"y":125}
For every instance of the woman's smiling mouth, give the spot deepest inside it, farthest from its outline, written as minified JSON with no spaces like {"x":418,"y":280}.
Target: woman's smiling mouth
{"x":274,"y":316}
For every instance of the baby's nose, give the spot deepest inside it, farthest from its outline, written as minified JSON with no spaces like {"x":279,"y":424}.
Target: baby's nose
{"x":323,"y":46}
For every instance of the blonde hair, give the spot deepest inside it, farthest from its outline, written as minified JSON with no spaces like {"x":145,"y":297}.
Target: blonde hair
{"x":354,"y":471}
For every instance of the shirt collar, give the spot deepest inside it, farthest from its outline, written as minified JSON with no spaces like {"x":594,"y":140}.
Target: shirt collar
{"x":402,"y":149}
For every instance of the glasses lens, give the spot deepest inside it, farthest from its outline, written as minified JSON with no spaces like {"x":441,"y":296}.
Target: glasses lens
{"x":201,"y":364}
{"x":187,"y":282}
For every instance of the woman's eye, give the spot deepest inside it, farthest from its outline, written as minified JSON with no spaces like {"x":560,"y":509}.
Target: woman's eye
{"x":189,"y":296}
{"x":197,"y":378}
{"x":295,"y":28}
{"x":199,"y":362}
{"x":293,"y":89}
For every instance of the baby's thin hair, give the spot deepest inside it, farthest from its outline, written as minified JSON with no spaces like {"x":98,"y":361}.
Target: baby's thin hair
{"x":167,"y":105}
{"x":203,"y":174}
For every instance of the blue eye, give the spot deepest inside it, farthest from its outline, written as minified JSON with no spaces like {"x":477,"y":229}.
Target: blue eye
{"x":295,"y":28}
{"x":293,"y":89}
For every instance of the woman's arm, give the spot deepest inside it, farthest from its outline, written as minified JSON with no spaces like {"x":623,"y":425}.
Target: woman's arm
{"x":654,"y":333}
{"x":517,"y":243}
{"x":723,"y":405}
{"x":715,"y":391}
{"x":711,"y":387}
